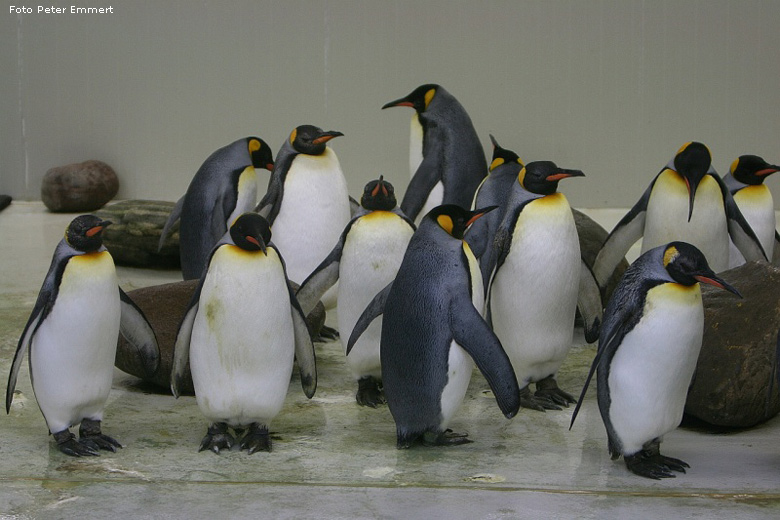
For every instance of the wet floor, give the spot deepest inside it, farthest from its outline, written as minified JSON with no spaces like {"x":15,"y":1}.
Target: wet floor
{"x":334,"y":459}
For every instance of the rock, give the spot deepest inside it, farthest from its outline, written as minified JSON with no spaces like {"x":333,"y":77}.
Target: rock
{"x":134,"y":235}
{"x":164,"y":307}
{"x":592,"y":237}
{"x":735,"y":384}
{"x":79,"y":187}
{"x":5,"y":201}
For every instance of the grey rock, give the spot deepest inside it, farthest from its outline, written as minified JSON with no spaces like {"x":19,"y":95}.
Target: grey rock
{"x":133,"y":237}
{"x":735,"y":383}
{"x":164,"y":306}
{"x":79,"y":187}
{"x":592,"y":237}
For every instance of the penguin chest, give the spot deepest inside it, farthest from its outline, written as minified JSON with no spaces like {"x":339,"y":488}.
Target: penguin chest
{"x":313,"y":212}
{"x":533,"y":295}
{"x":667,"y":217}
{"x":415,"y":144}
{"x":652,"y":368}
{"x":246,"y":196}
{"x":373,"y":251}
{"x":757,"y":206}
{"x":242,"y":345}
{"x":72,"y":354}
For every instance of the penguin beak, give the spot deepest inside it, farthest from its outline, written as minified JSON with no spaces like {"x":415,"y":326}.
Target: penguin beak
{"x":476,"y":214}
{"x":563,"y":174}
{"x":380,"y":185}
{"x":269,"y":166}
{"x":91,"y":232}
{"x":691,"y":195}
{"x":716,"y":281}
{"x":403,"y":102}
{"x":326,"y":136}
{"x":255,"y":241}
{"x":767,"y":171}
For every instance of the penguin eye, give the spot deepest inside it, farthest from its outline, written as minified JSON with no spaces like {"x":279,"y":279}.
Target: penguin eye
{"x":445,"y":221}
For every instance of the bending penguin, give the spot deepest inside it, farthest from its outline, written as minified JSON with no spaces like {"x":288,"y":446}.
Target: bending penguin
{"x":745,"y":182}
{"x":432,"y":329}
{"x":446,"y":159}
{"x":686,"y":201}
{"x":364,"y":261}
{"x":537,"y":281}
{"x":494,"y":191}
{"x":71,"y":337}
{"x":648,"y":347}
{"x":241,"y":332}
{"x":307,"y":203}
{"x":224,"y":187}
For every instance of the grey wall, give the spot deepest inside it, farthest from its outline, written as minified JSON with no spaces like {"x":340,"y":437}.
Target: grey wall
{"x":611,"y":87}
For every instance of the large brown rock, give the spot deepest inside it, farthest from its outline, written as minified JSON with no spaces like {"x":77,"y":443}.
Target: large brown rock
{"x":79,"y":187}
{"x":134,"y":235}
{"x":735,"y":381}
{"x":164,"y":306}
{"x":592,"y":237}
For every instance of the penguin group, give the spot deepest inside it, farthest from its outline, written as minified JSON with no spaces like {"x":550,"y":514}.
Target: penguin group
{"x":480,"y":265}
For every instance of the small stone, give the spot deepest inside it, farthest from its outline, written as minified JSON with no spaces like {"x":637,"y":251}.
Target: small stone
{"x":133,"y":237}
{"x":735,"y":384}
{"x":79,"y":187}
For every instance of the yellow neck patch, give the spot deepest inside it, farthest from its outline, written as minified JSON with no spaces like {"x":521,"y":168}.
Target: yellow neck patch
{"x":498,"y":161}
{"x":429,"y":96}
{"x":445,"y":221}
{"x":670,"y":254}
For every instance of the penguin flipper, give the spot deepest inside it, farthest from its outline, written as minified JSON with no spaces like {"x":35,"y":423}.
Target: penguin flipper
{"x":630,"y":229}
{"x":374,"y":309}
{"x":472,"y":333}
{"x":589,"y":303}
{"x":420,"y":186}
{"x":139,"y":333}
{"x":322,"y":278}
{"x":304,"y":347}
{"x":172,"y":219}
{"x":740,"y":231}
{"x":21,"y":348}
{"x":181,"y":348}
{"x":271,"y":203}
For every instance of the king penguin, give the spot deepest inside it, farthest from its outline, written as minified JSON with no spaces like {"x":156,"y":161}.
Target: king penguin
{"x":494,"y":191}
{"x":446,"y":159}
{"x":364,"y":261}
{"x":648,"y":348}
{"x":307,"y":203}
{"x":224,"y":187}
{"x":745,"y":182}
{"x":72,"y":336}
{"x":686,"y":201}
{"x":241,"y":332}
{"x":535,"y":283}
{"x":432,"y":329}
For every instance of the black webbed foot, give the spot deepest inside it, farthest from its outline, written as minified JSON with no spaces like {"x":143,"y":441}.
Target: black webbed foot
{"x":370,"y":392}
{"x":651,"y":464}
{"x":256,"y":439}
{"x":548,"y":389}
{"x":445,"y":438}
{"x":327,"y":334}
{"x":217,"y":438}
{"x":536,"y":402}
{"x":91,"y":435}
{"x":67,"y":444}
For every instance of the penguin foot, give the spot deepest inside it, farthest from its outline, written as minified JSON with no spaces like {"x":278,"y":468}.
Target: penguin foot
{"x":256,"y":439}
{"x":217,"y":438}
{"x":370,"y":392}
{"x":536,"y":402}
{"x":445,"y":438}
{"x":548,"y":388}
{"x":327,"y":334}
{"x":91,"y":435}
{"x":654,"y":465}
{"x":67,"y":444}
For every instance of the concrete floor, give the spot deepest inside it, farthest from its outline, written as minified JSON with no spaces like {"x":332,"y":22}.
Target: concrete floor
{"x":335,"y":459}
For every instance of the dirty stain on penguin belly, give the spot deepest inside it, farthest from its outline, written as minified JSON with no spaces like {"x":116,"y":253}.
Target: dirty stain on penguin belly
{"x":534,"y":294}
{"x":72,"y":354}
{"x":242,"y":347}
{"x":652,"y":368}
{"x":667,"y":218}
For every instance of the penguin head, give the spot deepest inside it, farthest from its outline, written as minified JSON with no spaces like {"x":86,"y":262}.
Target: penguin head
{"x":419,"y":99}
{"x":751,"y":169}
{"x":379,"y":195}
{"x":85,"y":233}
{"x":687,"y":266}
{"x":692,"y":162}
{"x":251,"y":232}
{"x":260,"y":153}
{"x":502,"y":156}
{"x":541,"y":177}
{"x":454,"y":219}
{"x":310,"y":140}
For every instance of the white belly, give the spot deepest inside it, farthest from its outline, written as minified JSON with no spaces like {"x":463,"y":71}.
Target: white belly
{"x":247,"y":195}
{"x":667,"y":218}
{"x":534,"y":293}
{"x":314,"y":212}
{"x":757,"y":206}
{"x":415,"y":145}
{"x":72,"y":354}
{"x":370,"y":260}
{"x":435,"y":198}
{"x":652,"y":368}
{"x":242,"y":346}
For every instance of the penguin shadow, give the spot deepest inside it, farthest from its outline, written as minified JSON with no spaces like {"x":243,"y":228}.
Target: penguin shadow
{"x":694,"y":424}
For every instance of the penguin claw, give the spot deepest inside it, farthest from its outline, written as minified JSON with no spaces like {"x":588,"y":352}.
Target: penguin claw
{"x":537,"y":402}
{"x":445,"y":438}
{"x":217,"y":438}
{"x":548,"y":388}
{"x":102,"y":442}
{"x":327,"y":334}
{"x":67,"y":444}
{"x":654,"y":465}
{"x":256,"y":439}
{"x":370,"y":392}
